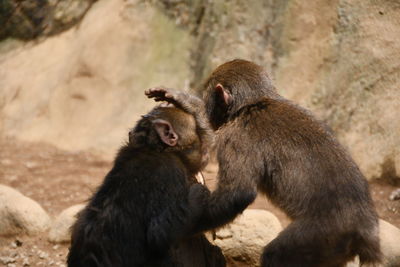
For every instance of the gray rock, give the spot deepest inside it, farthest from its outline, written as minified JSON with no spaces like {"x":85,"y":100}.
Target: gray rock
{"x":20,"y":214}
{"x":390,"y":244}
{"x":60,"y":228}
{"x":245,"y":238}
{"x":30,"y":19}
{"x":395,"y":195}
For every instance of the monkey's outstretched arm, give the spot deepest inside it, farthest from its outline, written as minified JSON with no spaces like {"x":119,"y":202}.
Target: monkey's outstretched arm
{"x":225,"y":203}
{"x":240,"y":168}
{"x":189,"y":103}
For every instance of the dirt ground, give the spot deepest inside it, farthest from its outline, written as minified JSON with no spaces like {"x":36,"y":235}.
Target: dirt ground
{"x":58,"y":179}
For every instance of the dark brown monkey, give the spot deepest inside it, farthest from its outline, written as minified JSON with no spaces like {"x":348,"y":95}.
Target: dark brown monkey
{"x":141,"y":214}
{"x":266,"y":143}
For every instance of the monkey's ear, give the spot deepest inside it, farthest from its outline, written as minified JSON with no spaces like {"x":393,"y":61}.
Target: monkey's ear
{"x":223,"y":94}
{"x":166,"y":132}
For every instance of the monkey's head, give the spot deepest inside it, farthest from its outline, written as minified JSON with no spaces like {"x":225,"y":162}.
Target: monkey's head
{"x":170,"y":129}
{"x":233,"y":85}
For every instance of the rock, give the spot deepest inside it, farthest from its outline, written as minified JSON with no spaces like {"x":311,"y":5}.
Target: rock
{"x":7,"y":260}
{"x":354,"y":263}
{"x":390,"y":243}
{"x":390,"y":246}
{"x":395,"y":195}
{"x":339,"y":58}
{"x":20,"y":214}
{"x":60,"y":228}
{"x":244,"y":239}
{"x":91,"y":73}
{"x":30,"y":19}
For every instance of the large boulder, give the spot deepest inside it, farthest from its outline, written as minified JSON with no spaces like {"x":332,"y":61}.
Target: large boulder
{"x":244,"y":239}
{"x":83,"y":88}
{"x":60,"y":230}
{"x":390,"y":243}
{"x":30,"y":19}
{"x":390,"y":246}
{"x":338,"y":58}
{"x":20,"y":214}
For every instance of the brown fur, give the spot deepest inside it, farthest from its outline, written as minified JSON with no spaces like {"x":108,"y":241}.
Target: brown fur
{"x":270,"y":144}
{"x":266,"y":143}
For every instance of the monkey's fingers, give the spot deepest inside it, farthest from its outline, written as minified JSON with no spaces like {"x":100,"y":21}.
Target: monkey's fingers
{"x":161,"y":94}
{"x":160,"y":91}
{"x":156,"y":91}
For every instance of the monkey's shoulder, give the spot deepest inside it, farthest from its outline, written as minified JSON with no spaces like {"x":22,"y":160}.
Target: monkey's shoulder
{"x":280,"y":114}
{"x":145,"y":156}
{"x":273,"y":123}
{"x":143,"y":165}
{"x":140,"y":176}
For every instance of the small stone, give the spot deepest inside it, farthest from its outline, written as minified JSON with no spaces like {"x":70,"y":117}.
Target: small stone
{"x":6,"y":162}
{"x":31,"y":164}
{"x":15,"y":255}
{"x":60,"y":230}
{"x":11,"y":178}
{"x":395,"y":195}
{"x":7,"y":260}
{"x":43,"y":254}
{"x":16,"y":243}
{"x":25,"y":262}
{"x":20,"y":213}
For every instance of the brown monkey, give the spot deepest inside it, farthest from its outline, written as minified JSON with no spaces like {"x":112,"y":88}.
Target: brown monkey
{"x":141,"y":215}
{"x":266,"y":143}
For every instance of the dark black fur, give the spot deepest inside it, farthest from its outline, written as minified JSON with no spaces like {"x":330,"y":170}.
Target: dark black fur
{"x":140,"y":215}
{"x":266,"y":143}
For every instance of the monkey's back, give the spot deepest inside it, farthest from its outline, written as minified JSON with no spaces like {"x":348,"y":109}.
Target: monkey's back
{"x":304,"y":171}
{"x":111,"y":230}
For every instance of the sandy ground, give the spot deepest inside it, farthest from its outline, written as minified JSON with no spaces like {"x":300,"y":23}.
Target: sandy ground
{"x":58,"y":179}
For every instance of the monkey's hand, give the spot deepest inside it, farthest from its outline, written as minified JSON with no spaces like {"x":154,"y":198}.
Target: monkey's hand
{"x":190,"y":104}
{"x":185,"y":101}
{"x":198,"y":199}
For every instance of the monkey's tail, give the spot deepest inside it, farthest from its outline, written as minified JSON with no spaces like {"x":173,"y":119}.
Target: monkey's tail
{"x":368,"y":248}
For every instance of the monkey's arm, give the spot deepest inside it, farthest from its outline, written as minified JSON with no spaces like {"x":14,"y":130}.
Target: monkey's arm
{"x":189,"y":103}
{"x":238,"y":175}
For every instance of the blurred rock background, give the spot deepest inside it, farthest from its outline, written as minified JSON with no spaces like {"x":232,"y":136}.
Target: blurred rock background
{"x":72,"y":73}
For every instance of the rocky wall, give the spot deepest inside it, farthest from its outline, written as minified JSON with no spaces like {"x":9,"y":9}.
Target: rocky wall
{"x":82,"y":88}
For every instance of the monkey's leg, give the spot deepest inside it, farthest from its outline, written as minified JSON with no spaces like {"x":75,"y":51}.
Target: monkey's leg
{"x":304,"y":244}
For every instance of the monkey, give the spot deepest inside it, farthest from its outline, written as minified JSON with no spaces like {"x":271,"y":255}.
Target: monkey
{"x":141,"y":215}
{"x":266,"y":143}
